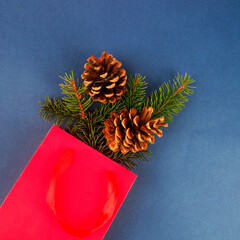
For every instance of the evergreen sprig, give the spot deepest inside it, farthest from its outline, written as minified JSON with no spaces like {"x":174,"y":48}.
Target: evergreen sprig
{"x":75,"y":97}
{"x":171,"y":97}
{"x":72,"y":113}
{"x":136,"y":93}
{"x":57,"y":111}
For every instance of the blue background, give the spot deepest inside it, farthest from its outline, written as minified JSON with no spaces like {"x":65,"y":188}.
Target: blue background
{"x":191,"y":187}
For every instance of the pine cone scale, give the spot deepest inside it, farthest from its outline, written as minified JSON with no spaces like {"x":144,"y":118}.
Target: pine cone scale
{"x":96,"y":88}
{"x":129,"y":134}
{"x":109,"y":95}
{"x":119,"y":91}
{"x":111,"y":86}
{"x":115,"y":79}
{"x":104,"y":75}
{"x":128,"y":141}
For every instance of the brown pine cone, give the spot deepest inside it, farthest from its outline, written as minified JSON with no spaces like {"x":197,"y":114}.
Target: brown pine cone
{"x":104,"y":79}
{"x":131,"y":131}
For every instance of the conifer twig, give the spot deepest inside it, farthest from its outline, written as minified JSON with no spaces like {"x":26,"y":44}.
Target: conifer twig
{"x":177,"y":91}
{"x":171,"y":97}
{"x":136,"y":93}
{"x":135,"y":87}
{"x":82,"y":114}
{"x":181,"y":87}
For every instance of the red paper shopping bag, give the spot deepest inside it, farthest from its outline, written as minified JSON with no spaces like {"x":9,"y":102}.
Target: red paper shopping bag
{"x":67,"y":191}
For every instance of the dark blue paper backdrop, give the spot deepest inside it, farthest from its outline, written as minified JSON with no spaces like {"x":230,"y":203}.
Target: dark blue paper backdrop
{"x":191,"y":187}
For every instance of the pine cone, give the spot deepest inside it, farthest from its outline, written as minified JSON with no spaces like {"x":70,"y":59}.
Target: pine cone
{"x":104,"y":79}
{"x":131,"y":131}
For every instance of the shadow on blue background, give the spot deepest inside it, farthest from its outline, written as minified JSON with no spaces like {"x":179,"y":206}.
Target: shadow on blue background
{"x":190,"y":188}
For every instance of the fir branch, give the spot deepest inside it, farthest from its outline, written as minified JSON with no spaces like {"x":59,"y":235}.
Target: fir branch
{"x":57,"y":111}
{"x":136,"y":93}
{"x":171,"y":97}
{"x":67,"y":86}
{"x":76,"y":98}
{"x":82,"y":114}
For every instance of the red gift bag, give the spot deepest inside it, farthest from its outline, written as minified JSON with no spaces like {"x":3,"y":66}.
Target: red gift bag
{"x":67,"y":191}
